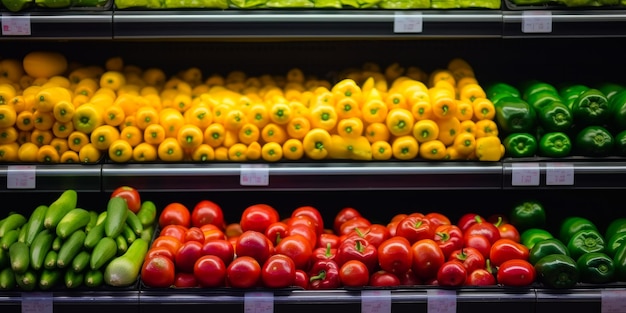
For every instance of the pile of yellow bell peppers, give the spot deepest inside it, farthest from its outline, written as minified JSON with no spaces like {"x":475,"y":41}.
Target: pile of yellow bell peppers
{"x":132,"y":114}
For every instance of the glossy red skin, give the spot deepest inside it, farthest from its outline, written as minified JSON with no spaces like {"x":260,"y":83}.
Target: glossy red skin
{"x":375,"y":234}
{"x":516,"y":272}
{"x":187,"y":256}
{"x":395,"y":255}
{"x":275,"y":232}
{"x":185,"y":280}
{"x":312,"y":212}
{"x":324,"y":275}
{"x":167,"y":242}
{"x":451,"y":273}
{"x":298,"y":248}
{"x":479,"y":242}
{"x":176,"y":231}
{"x":427,"y":258}
{"x":306,"y":232}
{"x":383,"y":278}
{"x":301,"y":280}
{"x":194,"y":234}
{"x":356,"y":248}
{"x":342,"y":216}
{"x":158,"y":271}
{"x":392,"y":227}
{"x":415,"y":228}
{"x":213,"y":234}
{"x":507,"y":249}
{"x":279,"y":271}
{"x":221,"y":248}
{"x":325,"y":238}
{"x":509,"y":231}
{"x":328,"y":253}
{"x":349,"y":225}
{"x":409,"y":279}
{"x":210,"y":271}
{"x":207,"y":212}
{"x":175,"y":213}
{"x":480,"y":277}
{"x":258,"y":217}
{"x":468,"y":220}
{"x":484,"y":228}
{"x":449,"y":238}
{"x":163,"y":251}
{"x":131,"y":195}
{"x":243,"y":272}
{"x":354,"y":274}
{"x":470,"y":257}
{"x":254,"y":244}
{"x":437,"y":219}
{"x":304,"y":220}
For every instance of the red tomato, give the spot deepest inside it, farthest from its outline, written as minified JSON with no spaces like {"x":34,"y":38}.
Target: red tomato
{"x":507,"y":249}
{"x":187,"y":256}
{"x":279,"y":271}
{"x":255,"y":245}
{"x":131,"y":195}
{"x":354,"y":273}
{"x":449,"y":238}
{"x":304,"y":220}
{"x":167,"y":242}
{"x":427,"y":258}
{"x":307,"y":232}
{"x":479,"y":242}
{"x":302,"y":279}
{"x":163,"y":251}
{"x":243,"y":272}
{"x":344,"y":215}
{"x":415,"y":228}
{"x":158,"y":271}
{"x":177,"y":231}
{"x":275,"y":232}
{"x":312,"y":212}
{"x":298,"y":248}
{"x":210,"y":271}
{"x":395,"y":255}
{"x":195,"y":234}
{"x":480,"y":277}
{"x":258,"y":217}
{"x":221,"y":248}
{"x":468,"y":220}
{"x":508,"y":231}
{"x":484,"y":228}
{"x":213,"y":234}
{"x":375,"y":234}
{"x":409,"y":279}
{"x":384,"y":279}
{"x":470,"y":257}
{"x":451,"y":273}
{"x":207,"y":212}
{"x":175,"y":213}
{"x":349,"y":225}
{"x":516,"y":272}
{"x":185,"y":280}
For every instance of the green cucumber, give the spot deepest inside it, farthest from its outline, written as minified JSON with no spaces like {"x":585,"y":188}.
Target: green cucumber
{"x":13,"y":221}
{"x":101,"y":217}
{"x":22,"y":233}
{"x":129,"y":234}
{"x":9,"y":238}
{"x":105,"y":251}
{"x":27,"y":280}
{"x":74,"y":220}
{"x":147,"y":213}
{"x":7,"y":279}
{"x":73,"y":279}
{"x":93,"y":219}
{"x":124,"y":270}
{"x":81,"y":261}
{"x":122,"y":244}
{"x":50,"y":261}
{"x":70,"y":248}
{"x":35,"y":223}
{"x":57,"y":243}
{"x":117,"y":213}
{"x":49,"y":278}
{"x":134,"y":222}
{"x":40,"y":247}
{"x":94,"y":236}
{"x":94,"y":278}
{"x":19,"y":257}
{"x":61,"y":206}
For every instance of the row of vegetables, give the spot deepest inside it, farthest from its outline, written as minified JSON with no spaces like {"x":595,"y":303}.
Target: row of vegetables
{"x":62,"y":246}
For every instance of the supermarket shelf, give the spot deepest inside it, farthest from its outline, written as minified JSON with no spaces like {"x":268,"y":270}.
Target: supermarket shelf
{"x":564,"y":23}
{"x":47,"y":178}
{"x":62,"y":24}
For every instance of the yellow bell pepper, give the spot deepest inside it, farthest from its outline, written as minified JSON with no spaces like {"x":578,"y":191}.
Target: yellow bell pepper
{"x":443,"y":103}
{"x":154,"y":134}
{"x":272,"y":152}
{"x":280,"y":113}
{"x":486,"y":128}
{"x":63,"y":111}
{"x":432,"y":150}
{"x":405,"y":147}
{"x":400,"y":122}
{"x":231,"y":137}
{"x":77,"y":140}
{"x":145,"y":152}
{"x":214,"y":135}
{"x":259,"y":115}
{"x":132,"y":134}
{"x":471,"y":92}
{"x":234,"y":119}
{"x":8,"y":152}
{"x":374,"y":111}
{"x":103,"y":136}
{"x":8,"y":135}
{"x":69,"y":156}
{"x":171,"y":120}
{"x":8,"y":116}
{"x":248,"y":133}
{"x":377,"y":132}
{"x":316,"y":143}
{"x":203,"y":153}
{"x":441,"y":75}
{"x":353,"y":148}
{"x":464,"y":110}
{"x":273,"y":132}
{"x":237,"y":152}
{"x":145,"y":116}
{"x":449,"y":128}
{"x":347,"y":107}
{"x":199,"y":115}
{"x":351,"y":127}
{"x":114,"y":115}
{"x":396,"y":100}
{"x":87,"y":117}
{"x":47,"y":97}
{"x":484,"y":109}
{"x":60,"y":144}
{"x":24,"y":121}
{"x":347,"y":88}
{"x":489,"y":148}
{"x":468,"y":126}
{"x":422,"y":110}
{"x":190,"y":137}
{"x":323,"y":116}
{"x":253,"y":152}
{"x":298,"y":127}
{"x":43,"y":120}
{"x":120,"y":151}
{"x":425,"y":130}
{"x":169,"y":150}
{"x":381,"y":150}
{"x":88,"y":153}
{"x":465,"y":143}
{"x":293,"y":149}
{"x":41,"y":137}
{"x":48,"y":154}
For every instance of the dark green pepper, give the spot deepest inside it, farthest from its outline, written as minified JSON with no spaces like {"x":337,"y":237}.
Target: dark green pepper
{"x":536,"y":86}
{"x":594,"y":141}
{"x":596,"y":268}
{"x":617,"y":109}
{"x":520,"y":145}
{"x":570,"y":225}
{"x":546,"y":247}
{"x":620,"y":263}
{"x":610,"y":89}
{"x":571,"y":92}
{"x":620,"y":143}
{"x":585,"y":241}
{"x":555,"y":145}
{"x":557,"y":271}
{"x":532,"y":236}
{"x":591,"y":108}
{"x":501,"y":88}
{"x":555,"y":117}
{"x":617,"y":225}
{"x":540,"y":99}
{"x":528,"y":214}
{"x":515,"y":115}
{"x":614,"y":242}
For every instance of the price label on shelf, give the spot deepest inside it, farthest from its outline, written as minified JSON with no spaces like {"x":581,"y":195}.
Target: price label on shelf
{"x":407,"y":22}
{"x":21,"y":177}
{"x":525,"y":174}
{"x":37,"y":302}
{"x":15,"y":25}
{"x":254,"y":175}
{"x":560,"y":174}
{"x":536,"y":22}
{"x":613,"y":301}
{"x":376,"y":301}
{"x":441,"y":301}
{"x":258,"y":302}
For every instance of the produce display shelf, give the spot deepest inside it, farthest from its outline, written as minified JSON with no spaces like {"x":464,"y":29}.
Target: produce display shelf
{"x":58,"y":24}
{"x":28,"y":178}
{"x":571,"y":23}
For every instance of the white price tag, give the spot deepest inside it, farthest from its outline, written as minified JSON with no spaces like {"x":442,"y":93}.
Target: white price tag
{"x":441,"y":301}
{"x":258,"y":302}
{"x":37,"y":302}
{"x":525,"y":174}
{"x":15,"y":25}
{"x":254,"y":175}
{"x":560,"y":174}
{"x":613,"y":301}
{"x":407,"y":22}
{"x":536,"y":22}
{"x":376,"y":301}
{"x":21,"y":177}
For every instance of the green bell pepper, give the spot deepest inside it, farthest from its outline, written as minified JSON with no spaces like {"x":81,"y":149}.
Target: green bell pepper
{"x":617,"y":111}
{"x":617,"y":225}
{"x":536,"y":86}
{"x":572,"y":224}
{"x":591,"y":108}
{"x":557,"y":271}
{"x":620,"y":263}
{"x":532,"y":236}
{"x":520,"y":145}
{"x":555,"y":145}
{"x":555,"y":117}
{"x":596,"y":268}
{"x":613,"y":243}
{"x":528,"y":214}
{"x":610,"y":89}
{"x":595,"y":141}
{"x":514,"y":115}
{"x":585,"y":241}
{"x":569,"y":93}
{"x":497,"y":91}
{"x":542,"y":98}
{"x":546,"y":247}
{"x":620,"y":143}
